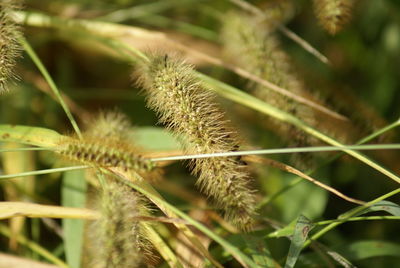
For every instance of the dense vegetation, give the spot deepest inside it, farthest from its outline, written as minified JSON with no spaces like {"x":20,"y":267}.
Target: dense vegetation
{"x":141,"y":133}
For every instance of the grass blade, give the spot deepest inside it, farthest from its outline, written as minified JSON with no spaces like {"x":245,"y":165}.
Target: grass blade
{"x":73,"y":195}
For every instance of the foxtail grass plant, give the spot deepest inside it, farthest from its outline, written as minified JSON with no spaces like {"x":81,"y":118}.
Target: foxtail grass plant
{"x":190,"y":112}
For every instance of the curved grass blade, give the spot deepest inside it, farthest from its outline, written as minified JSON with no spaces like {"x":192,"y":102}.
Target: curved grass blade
{"x":50,"y":81}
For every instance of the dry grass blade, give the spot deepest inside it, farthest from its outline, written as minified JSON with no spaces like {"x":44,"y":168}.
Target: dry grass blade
{"x":15,"y":209}
{"x":290,"y":169}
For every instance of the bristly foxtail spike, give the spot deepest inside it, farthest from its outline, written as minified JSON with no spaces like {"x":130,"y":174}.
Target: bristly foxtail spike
{"x":188,"y":110}
{"x":333,"y":15}
{"x":10,"y":48}
{"x":118,"y":239}
{"x":106,"y":143}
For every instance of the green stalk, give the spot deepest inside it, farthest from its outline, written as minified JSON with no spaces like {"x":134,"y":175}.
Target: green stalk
{"x":41,"y":172}
{"x":368,"y":218}
{"x":348,"y":216}
{"x":32,"y":54}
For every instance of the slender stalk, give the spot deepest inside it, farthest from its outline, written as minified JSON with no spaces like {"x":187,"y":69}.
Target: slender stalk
{"x":25,"y":149}
{"x":51,"y":83}
{"x":41,"y":172}
{"x":370,"y":218}
{"x":348,"y":216}
{"x":281,"y":151}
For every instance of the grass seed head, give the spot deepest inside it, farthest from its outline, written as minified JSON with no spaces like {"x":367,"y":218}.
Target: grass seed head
{"x":10,"y":48}
{"x":188,"y":109}
{"x":333,"y":15}
{"x":118,"y":238}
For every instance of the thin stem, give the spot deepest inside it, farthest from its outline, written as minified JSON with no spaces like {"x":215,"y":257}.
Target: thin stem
{"x":26,"y":149}
{"x":41,"y":172}
{"x":281,"y":151}
{"x":380,"y":132}
{"x":369,"y":218}
{"x":348,"y":216}
{"x":32,"y":54}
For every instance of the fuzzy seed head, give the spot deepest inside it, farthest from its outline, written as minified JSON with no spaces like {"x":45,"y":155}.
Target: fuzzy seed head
{"x":105,"y":152}
{"x":9,"y":46}
{"x":333,"y":15}
{"x":188,"y":109}
{"x":118,"y":237}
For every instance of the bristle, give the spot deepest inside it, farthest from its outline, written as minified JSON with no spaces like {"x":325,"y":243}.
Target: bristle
{"x":333,"y":14}
{"x":188,"y":109}
{"x":105,"y":152}
{"x":119,"y":239}
{"x":10,"y":49}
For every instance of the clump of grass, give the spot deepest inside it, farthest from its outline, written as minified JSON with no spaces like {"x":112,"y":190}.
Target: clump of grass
{"x":333,"y":15}
{"x":189,"y":111}
{"x":9,"y":46}
{"x":118,"y":238}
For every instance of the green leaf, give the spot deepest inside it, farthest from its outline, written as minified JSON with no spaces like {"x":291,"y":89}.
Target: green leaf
{"x":29,"y":135}
{"x":295,"y":202}
{"x":303,"y":227}
{"x":370,"y":248}
{"x":155,"y":139}
{"x":73,"y":195}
